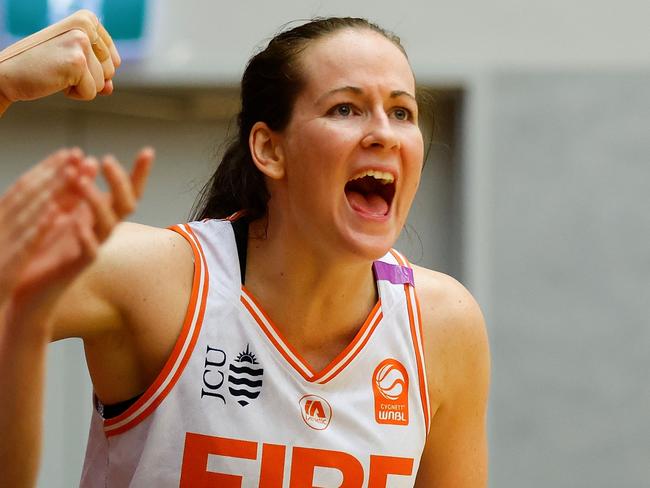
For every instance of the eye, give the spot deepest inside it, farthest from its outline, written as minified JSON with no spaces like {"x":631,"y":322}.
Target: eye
{"x":342,"y":110}
{"x":401,"y":113}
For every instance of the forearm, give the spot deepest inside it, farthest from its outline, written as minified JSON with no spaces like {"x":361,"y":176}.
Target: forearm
{"x":23,"y":348}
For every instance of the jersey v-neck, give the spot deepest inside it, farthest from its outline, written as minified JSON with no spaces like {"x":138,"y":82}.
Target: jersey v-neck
{"x":293,"y":357}
{"x":272,"y":332}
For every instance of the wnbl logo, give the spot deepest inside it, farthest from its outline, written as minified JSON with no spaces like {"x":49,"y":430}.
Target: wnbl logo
{"x":244,"y":376}
{"x":390,"y":384}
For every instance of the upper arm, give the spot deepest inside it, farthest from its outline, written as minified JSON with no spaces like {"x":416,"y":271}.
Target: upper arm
{"x":86,"y":309}
{"x":128,"y":308}
{"x":458,"y":365}
{"x":133,"y":268}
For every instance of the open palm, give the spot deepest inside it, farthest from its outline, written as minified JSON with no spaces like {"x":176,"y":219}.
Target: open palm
{"x":53,"y":221}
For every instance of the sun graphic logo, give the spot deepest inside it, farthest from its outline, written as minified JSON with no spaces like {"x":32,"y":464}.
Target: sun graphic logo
{"x":390,"y":383}
{"x":245,"y":377}
{"x":316,"y":411}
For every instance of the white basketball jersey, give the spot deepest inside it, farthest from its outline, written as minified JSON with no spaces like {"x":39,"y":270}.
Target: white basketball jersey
{"x":236,"y":405}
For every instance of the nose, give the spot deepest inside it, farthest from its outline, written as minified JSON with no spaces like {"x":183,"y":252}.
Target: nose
{"x":380,"y":133}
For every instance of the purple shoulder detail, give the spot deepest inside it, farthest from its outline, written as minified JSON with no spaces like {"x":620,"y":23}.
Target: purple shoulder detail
{"x":397,"y":275}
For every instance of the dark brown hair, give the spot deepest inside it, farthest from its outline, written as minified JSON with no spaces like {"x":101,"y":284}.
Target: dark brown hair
{"x":269,"y":87}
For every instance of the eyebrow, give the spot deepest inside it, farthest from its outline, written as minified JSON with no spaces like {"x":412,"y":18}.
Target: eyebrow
{"x":400,"y":93}
{"x":358,"y":91}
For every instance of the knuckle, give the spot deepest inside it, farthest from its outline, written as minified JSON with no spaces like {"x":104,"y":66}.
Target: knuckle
{"x":77,"y":60}
{"x":109,"y":70}
{"x":78,"y":37}
{"x":87,"y":18}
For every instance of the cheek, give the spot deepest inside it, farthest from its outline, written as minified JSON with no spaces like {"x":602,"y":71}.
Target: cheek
{"x":413,"y":156}
{"x":320,"y":150}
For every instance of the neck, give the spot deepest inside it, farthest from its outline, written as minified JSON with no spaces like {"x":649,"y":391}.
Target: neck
{"x":316,"y":300}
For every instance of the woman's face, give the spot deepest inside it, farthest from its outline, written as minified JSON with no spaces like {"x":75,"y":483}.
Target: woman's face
{"x":353,"y":150}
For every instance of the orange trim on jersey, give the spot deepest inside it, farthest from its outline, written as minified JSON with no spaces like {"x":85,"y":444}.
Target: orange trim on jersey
{"x":415,"y":321}
{"x":357,"y":344}
{"x":183,"y":348}
{"x":271,"y":331}
{"x":418,"y":354}
{"x":337,"y":365}
{"x":401,"y":260}
{"x":424,"y":392}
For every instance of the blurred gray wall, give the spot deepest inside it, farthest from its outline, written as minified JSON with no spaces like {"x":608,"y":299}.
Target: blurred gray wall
{"x":542,"y":211}
{"x":570,"y":279}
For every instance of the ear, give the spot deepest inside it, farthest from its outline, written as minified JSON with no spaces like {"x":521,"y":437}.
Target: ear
{"x":266,"y":151}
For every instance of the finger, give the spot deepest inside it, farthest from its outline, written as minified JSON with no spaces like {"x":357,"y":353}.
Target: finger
{"x":47,"y":176}
{"x":24,"y":245}
{"x":88,"y":241}
{"x":108,"y":42}
{"x":100,"y":49}
{"x":72,"y":160}
{"x":105,"y":218}
{"x":91,"y":78}
{"x":89,"y":167}
{"x":108,"y":88}
{"x":95,"y":67}
{"x":85,"y":88}
{"x":28,"y":239}
{"x":46,"y":169}
{"x":33,"y":206}
{"x":83,"y":19}
{"x":104,"y":57}
{"x":141,"y":169}
{"x":124,"y":200}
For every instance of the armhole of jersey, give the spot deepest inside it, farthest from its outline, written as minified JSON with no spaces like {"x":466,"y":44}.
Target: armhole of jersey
{"x":415,"y":322}
{"x":183,"y":348}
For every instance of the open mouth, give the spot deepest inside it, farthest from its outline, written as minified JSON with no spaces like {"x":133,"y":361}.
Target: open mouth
{"x":371,"y":192}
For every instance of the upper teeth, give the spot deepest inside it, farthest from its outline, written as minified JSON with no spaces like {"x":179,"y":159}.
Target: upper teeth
{"x":382,"y":176}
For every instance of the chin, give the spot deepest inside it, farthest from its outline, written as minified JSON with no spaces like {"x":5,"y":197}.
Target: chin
{"x":369,"y":247}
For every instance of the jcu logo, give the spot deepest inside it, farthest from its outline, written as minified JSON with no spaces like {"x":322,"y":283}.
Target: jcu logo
{"x":124,"y":19}
{"x":243,"y":376}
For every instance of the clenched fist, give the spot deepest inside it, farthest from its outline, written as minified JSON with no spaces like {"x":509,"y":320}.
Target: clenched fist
{"x":75,"y":55}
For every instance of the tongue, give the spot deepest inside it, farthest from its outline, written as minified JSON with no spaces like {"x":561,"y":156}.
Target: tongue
{"x":371,"y":203}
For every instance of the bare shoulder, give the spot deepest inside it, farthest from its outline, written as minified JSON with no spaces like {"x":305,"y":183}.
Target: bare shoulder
{"x":447,"y":306}
{"x":137,"y":266}
{"x":145,"y":262}
{"x":134,"y":247}
{"x":455,"y":336}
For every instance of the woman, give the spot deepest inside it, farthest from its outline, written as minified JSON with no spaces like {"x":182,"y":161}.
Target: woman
{"x":285,"y":346}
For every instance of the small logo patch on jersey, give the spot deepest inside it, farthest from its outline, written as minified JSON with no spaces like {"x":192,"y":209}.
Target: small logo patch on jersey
{"x":390,"y":385}
{"x":316,"y":411}
{"x":245,"y":377}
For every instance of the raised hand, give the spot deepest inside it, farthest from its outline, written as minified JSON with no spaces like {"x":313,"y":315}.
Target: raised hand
{"x":26,"y":212}
{"x":75,"y":218}
{"x":75,"y":55}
